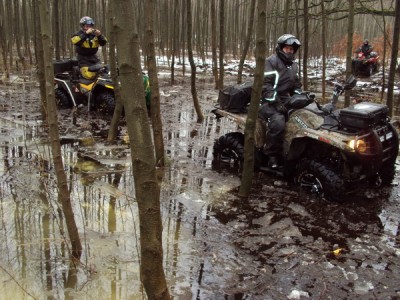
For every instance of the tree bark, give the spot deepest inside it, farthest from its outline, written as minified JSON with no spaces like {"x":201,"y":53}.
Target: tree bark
{"x":349,"y":52}
{"x":155,"y":91}
{"x":147,"y":189}
{"x":196,"y":103}
{"x":393,"y":60}
{"x":248,"y":168}
{"x":214,"y":43}
{"x":221,"y":43}
{"x":247,"y":41}
{"x":63,"y":192}
{"x":113,"y":130}
{"x":305,"y":46}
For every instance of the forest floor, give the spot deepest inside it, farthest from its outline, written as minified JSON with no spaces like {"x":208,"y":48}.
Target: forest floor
{"x":278,"y":244}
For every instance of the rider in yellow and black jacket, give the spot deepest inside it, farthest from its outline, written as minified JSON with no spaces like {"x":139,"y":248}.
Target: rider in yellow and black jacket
{"x":87,"y":41}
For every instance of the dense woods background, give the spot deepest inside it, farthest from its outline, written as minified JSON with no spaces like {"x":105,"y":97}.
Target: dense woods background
{"x":374,"y":20}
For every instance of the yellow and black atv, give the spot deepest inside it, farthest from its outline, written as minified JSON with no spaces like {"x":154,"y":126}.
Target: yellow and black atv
{"x":71,"y":89}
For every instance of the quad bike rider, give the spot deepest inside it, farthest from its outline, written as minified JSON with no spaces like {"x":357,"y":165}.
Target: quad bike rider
{"x":365,"y":60}
{"x":327,"y":151}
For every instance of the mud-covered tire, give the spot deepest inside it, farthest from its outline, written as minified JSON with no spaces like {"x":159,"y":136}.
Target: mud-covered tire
{"x":106,"y":102}
{"x":62,"y":98}
{"x":315,"y":178}
{"x":229,"y":148}
{"x":387,"y":173}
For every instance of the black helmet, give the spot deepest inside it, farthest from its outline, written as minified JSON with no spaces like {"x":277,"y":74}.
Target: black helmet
{"x":86,"y":21}
{"x":366,"y":42}
{"x":288,"y":39}
{"x":291,"y":40}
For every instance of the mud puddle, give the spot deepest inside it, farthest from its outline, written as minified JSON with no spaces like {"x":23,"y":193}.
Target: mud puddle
{"x":279,"y":244}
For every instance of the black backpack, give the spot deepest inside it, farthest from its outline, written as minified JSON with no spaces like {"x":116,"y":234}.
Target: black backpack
{"x":235,"y":98}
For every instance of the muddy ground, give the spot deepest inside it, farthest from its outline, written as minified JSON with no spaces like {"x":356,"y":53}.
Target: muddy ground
{"x":278,"y":244}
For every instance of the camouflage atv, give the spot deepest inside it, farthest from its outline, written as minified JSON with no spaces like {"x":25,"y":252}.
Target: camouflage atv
{"x":327,"y":152}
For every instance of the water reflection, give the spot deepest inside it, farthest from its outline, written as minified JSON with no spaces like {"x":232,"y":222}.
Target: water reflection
{"x":212,"y":243}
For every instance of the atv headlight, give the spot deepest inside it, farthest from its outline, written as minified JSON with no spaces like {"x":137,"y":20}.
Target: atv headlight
{"x":358,"y":145}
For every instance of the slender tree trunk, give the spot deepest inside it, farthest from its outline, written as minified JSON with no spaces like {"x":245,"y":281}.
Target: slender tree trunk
{"x":214,"y":43}
{"x":349,"y":52}
{"x":155,"y":91}
{"x":147,"y":189}
{"x":393,"y":60}
{"x":56,"y":23}
{"x":113,"y":130}
{"x":248,"y":39}
{"x":63,"y":192}
{"x":40,"y":60}
{"x":175,"y":40}
{"x":305,"y":46}
{"x":323,"y":41}
{"x":196,"y":103}
{"x":221,"y":42}
{"x":248,"y":168}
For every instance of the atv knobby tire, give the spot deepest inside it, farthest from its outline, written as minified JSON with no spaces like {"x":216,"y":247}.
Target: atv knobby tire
{"x":106,"y":102}
{"x":316,"y":178}
{"x":62,"y":98}
{"x":229,"y":148}
{"x":387,"y":173}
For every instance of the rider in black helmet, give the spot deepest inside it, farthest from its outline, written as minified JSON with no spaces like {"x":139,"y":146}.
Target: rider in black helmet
{"x":281,"y":81}
{"x":366,"y":48}
{"x":87,"y":41}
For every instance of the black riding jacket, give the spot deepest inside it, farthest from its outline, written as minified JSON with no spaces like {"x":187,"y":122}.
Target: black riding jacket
{"x":280,"y":79}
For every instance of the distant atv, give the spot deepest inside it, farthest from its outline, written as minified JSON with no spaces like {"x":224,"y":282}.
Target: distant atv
{"x":98,"y":94}
{"x":361,"y":65}
{"x":327,"y":152}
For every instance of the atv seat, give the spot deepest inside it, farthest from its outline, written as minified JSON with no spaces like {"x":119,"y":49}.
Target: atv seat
{"x":315,"y":109}
{"x":86,"y":81}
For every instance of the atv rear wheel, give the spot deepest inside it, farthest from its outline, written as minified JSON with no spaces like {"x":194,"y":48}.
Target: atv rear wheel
{"x":62,"y":98}
{"x":106,"y":102}
{"x":229,"y":148}
{"x":315,"y":178}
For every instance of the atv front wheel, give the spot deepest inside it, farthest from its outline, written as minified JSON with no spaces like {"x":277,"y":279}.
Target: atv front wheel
{"x":229,"y":148}
{"x":106,"y":102}
{"x":387,"y":173}
{"x":62,"y":98}
{"x":315,"y":178}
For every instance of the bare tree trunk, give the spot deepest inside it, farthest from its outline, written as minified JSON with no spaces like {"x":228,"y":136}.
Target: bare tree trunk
{"x":112,"y":131}
{"x":56,"y":23}
{"x":323,"y":41}
{"x":196,"y":103}
{"x":175,"y":40}
{"x":3,"y":38}
{"x":40,"y":60}
{"x":248,"y":168}
{"x":349,"y":52}
{"x":305,"y":46}
{"x":385,"y":39}
{"x":155,"y":91}
{"x":18,"y":35}
{"x":221,"y":43}
{"x":248,"y":39}
{"x":393,"y":60}
{"x":286,"y":17}
{"x":147,"y":189}
{"x":63,"y":192}
{"x":214,"y":43}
